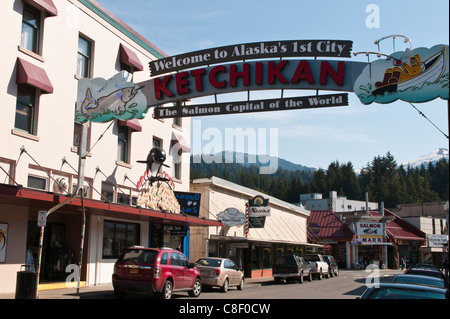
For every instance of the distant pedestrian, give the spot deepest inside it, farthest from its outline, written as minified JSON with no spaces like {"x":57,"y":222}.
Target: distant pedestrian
{"x":395,"y":262}
{"x":403,"y":263}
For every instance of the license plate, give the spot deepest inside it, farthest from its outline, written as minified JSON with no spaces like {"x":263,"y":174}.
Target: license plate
{"x":134,"y":271}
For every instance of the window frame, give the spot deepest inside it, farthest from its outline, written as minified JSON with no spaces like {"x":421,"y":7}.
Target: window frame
{"x":89,"y":57}
{"x":124,"y":152}
{"x":115,"y":253}
{"x":36,"y":46}
{"x":33,"y":106}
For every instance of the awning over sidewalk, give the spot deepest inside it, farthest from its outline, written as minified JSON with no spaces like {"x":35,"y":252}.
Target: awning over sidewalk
{"x":14,"y":195}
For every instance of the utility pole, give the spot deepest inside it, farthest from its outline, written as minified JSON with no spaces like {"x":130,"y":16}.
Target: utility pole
{"x":82,"y":151}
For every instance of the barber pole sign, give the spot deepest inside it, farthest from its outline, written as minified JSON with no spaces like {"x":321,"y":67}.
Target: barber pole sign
{"x":246,"y":220}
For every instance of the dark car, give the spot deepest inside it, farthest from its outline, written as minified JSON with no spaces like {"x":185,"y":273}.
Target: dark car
{"x":403,"y":291}
{"x":333,"y":268}
{"x":291,"y":266}
{"x":426,"y":272}
{"x":159,"y":271}
{"x":420,"y":280}
{"x":425,"y":266}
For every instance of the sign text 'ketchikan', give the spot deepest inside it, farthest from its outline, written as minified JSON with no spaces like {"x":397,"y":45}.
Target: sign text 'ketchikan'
{"x":191,"y":81}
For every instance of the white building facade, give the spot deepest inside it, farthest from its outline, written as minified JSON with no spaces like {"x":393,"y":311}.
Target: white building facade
{"x":251,"y":243}
{"x":48,"y":45}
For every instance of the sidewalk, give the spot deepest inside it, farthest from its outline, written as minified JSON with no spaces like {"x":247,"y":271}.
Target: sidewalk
{"x":102,"y":291}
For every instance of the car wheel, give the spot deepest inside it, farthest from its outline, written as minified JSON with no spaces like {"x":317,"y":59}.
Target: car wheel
{"x":166,"y":293}
{"x":319,"y":276}
{"x":119,"y":294}
{"x":225,"y":286}
{"x":197,"y":289}
{"x":300,"y":279}
{"x":310,"y":276}
{"x":241,"y":284}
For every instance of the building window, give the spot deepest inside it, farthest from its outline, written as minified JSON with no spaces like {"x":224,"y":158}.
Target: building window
{"x":177,"y":120}
{"x":25,"y":108}
{"x":37,"y":182}
{"x":123,"y":144}
{"x":31,"y":23}
{"x":108,"y":192}
{"x":84,"y":58}
{"x":157,"y":142}
{"x":176,"y":163}
{"x":117,"y":236}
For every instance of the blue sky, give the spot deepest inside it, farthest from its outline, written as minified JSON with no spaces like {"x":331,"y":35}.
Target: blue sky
{"x":314,"y":138}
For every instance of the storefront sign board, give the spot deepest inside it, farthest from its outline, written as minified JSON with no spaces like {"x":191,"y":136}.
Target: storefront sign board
{"x":437,"y":240}
{"x":370,"y":233}
{"x":232,"y":217}
{"x":189,"y":202}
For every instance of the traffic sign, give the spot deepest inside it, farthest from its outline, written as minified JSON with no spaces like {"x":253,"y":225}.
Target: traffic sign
{"x":42,"y":218}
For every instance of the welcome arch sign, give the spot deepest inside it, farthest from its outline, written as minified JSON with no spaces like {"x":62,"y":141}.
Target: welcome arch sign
{"x":417,"y":75}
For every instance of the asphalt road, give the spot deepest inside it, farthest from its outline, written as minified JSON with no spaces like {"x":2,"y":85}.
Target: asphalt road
{"x":349,"y":284}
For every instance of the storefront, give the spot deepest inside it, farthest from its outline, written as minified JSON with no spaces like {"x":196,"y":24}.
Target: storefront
{"x":256,"y":227}
{"x":326,"y":228}
{"x":109,"y":229}
{"x":384,"y":240}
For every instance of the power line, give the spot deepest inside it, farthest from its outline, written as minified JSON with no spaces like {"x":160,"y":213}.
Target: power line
{"x":421,"y":113}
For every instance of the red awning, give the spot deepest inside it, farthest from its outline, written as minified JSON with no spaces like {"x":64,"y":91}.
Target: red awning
{"x":25,"y":197}
{"x":132,"y":124}
{"x":324,"y":224}
{"x":128,"y":57}
{"x":178,"y":139}
{"x":399,"y":229}
{"x":33,"y":75}
{"x":47,"y":5}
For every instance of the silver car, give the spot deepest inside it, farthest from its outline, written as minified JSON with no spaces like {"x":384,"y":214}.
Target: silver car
{"x":220,"y":272}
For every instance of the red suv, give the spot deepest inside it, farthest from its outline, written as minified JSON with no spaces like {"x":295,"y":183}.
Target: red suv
{"x":155,"y":270}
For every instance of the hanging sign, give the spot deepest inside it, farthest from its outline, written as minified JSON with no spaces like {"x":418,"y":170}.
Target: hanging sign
{"x":418,"y":75}
{"x":101,"y":100}
{"x":256,"y":50}
{"x":251,"y":76}
{"x":232,"y":217}
{"x":254,"y":106}
{"x":189,"y":203}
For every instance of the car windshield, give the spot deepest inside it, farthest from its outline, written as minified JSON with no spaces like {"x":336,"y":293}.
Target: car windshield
{"x":140,"y":256}
{"x":285,"y":260}
{"x":311,"y":257}
{"x":209,"y":262}
{"x":418,"y":280}
{"x":398,"y":293}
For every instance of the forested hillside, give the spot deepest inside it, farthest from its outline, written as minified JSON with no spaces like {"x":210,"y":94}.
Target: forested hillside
{"x":382,"y":178}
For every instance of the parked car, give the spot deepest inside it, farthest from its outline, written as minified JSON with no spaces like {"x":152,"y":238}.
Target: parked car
{"x":426,"y":272}
{"x":333,"y":269}
{"x":290,"y":266}
{"x":155,"y":271}
{"x":319,"y":266}
{"x":425,"y":266}
{"x":394,"y":290}
{"x":220,"y":272}
{"x":420,"y":280}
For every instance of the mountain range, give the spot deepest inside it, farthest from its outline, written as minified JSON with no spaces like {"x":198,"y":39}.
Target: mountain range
{"x":265,"y":160}
{"x":433,"y":157}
